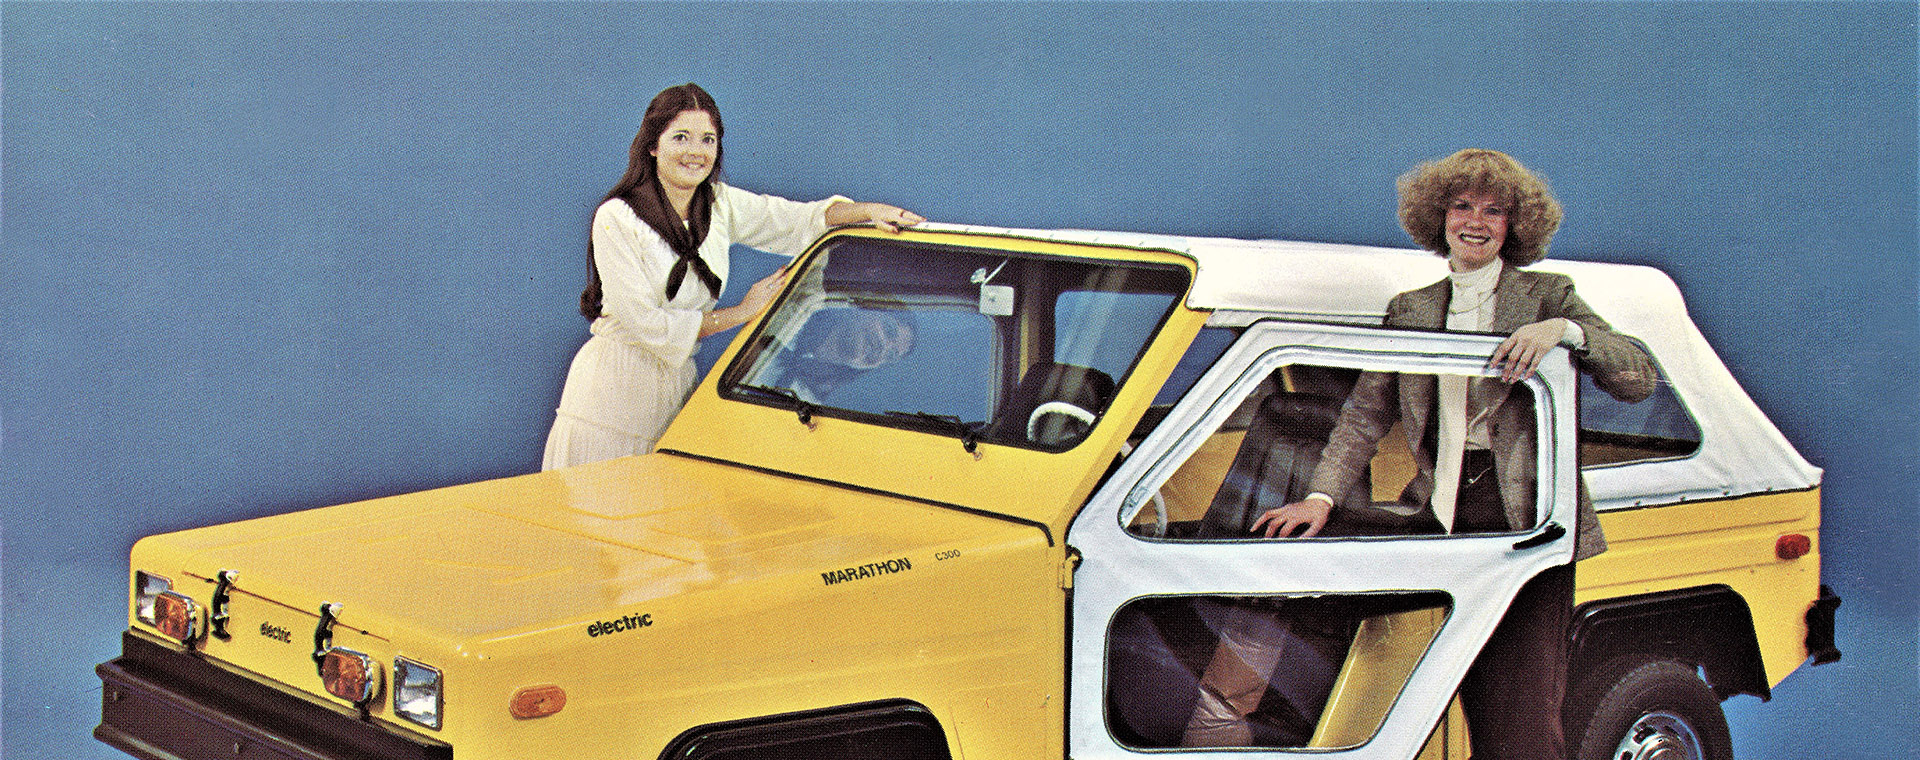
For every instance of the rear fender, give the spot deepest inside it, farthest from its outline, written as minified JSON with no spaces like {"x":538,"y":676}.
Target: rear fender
{"x":1707,"y":626}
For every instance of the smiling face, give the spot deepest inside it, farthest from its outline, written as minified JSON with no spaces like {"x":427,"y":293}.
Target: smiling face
{"x":685,"y":154}
{"x":1476,"y":228}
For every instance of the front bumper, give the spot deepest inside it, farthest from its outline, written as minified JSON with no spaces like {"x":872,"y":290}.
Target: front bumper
{"x":161,"y":702}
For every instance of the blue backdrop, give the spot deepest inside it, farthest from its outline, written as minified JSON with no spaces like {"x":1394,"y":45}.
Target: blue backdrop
{"x":263,"y":257}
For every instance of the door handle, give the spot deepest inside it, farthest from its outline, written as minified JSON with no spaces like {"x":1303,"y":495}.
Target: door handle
{"x":1547,"y":535}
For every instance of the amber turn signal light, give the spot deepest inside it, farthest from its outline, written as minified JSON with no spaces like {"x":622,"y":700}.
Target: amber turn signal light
{"x":178,"y":616}
{"x":349,"y":675}
{"x":537,"y":701}
{"x":1793,"y":546}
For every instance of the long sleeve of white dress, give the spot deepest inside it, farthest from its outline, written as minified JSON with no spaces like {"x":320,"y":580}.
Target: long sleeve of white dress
{"x":631,"y":378}
{"x":772,"y":224}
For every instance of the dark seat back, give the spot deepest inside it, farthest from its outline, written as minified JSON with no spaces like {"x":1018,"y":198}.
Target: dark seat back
{"x":1274,"y":463}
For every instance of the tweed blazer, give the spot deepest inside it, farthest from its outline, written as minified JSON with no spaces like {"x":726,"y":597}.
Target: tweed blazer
{"x":1379,"y":399}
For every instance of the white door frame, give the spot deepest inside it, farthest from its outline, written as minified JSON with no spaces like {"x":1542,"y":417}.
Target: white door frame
{"x":1482,"y":573}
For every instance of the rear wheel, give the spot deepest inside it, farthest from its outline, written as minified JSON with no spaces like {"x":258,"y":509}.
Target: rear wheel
{"x":1656,"y":710}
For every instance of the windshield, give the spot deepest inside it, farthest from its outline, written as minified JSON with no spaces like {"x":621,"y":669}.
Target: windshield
{"x":984,"y":345}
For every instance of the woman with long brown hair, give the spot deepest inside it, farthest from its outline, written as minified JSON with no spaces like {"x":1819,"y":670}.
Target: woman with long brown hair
{"x":658,"y":262}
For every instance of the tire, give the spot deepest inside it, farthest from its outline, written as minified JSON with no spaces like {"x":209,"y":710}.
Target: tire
{"x":1656,"y":710}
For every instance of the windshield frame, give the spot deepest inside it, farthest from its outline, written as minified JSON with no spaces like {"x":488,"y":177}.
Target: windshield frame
{"x":1009,"y":331}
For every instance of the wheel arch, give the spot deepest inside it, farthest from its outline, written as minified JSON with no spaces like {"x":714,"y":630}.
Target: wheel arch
{"x":894,"y":729}
{"x":1707,"y":626}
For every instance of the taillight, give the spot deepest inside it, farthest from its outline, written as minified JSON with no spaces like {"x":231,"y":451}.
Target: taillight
{"x":350,"y":675}
{"x":1792,"y":546}
{"x":178,"y":616}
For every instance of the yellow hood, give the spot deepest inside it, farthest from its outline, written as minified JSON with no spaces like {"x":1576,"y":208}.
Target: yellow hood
{"x":602,"y":543}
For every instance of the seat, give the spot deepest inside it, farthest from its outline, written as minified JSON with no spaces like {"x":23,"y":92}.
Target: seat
{"x":1272,"y":467}
{"x":1274,"y":463}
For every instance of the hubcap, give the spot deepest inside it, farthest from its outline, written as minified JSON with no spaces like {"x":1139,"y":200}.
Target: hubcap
{"x":1659,"y":736}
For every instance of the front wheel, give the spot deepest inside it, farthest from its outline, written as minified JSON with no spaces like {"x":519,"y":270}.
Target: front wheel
{"x":1654,"y":711}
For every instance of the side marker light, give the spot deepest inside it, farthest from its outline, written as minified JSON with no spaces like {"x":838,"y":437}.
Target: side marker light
{"x":537,"y":701}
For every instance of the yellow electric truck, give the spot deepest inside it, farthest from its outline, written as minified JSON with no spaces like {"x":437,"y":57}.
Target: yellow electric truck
{"x":983,"y":493}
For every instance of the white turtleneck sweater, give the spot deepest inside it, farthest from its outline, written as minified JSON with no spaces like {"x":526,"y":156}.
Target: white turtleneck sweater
{"x":1471,"y":309}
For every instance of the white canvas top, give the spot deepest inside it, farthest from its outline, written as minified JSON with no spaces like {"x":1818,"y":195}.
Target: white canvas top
{"x":1740,"y":451}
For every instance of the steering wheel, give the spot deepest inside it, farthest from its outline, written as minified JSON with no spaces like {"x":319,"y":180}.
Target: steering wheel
{"x":1055,"y":407}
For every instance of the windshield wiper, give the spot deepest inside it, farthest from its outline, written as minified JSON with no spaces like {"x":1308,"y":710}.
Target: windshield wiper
{"x":969,"y":437}
{"x":801,"y":407}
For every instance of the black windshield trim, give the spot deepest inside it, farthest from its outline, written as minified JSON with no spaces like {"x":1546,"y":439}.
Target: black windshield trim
{"x":1044,"y":529}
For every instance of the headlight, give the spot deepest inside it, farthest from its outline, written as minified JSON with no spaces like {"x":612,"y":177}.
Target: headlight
{"x":416,"y":692}
{"x":146,"y":588}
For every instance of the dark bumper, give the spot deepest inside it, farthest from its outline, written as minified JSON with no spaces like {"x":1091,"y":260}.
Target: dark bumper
{"x":161,"y":703}
{"x":1820,"y":643}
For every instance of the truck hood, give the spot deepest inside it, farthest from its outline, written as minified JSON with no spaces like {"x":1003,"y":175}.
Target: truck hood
{"x":610,"y":544}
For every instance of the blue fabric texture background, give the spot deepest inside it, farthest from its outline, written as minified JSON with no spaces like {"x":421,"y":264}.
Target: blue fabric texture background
{"x":262,"y":257}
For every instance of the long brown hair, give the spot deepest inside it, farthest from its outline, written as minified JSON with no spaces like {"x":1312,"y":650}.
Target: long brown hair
{"x":640,"y":189}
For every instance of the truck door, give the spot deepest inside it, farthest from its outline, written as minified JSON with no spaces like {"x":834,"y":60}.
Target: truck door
{"x":1192,"y":634}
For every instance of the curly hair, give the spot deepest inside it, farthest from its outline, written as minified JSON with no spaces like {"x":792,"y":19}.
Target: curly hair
{"x":1532,"y":216}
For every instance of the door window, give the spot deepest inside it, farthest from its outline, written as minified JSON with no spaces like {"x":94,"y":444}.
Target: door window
{"x":1266,"y":454}
{"x":1270,"y":672}
{"x":1616,"y":432}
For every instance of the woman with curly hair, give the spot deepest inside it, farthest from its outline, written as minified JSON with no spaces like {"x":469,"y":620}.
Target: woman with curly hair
{"x":657,"y":263}
{"x":1488,"y":216}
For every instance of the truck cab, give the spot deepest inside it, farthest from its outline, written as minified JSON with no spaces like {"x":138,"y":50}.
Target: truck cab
{"x":970,"y":492}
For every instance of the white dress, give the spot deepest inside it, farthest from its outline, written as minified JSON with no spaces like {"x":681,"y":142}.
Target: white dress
{"x":632,"y":376}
